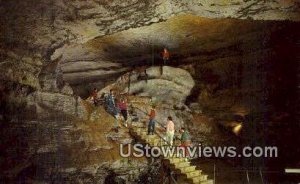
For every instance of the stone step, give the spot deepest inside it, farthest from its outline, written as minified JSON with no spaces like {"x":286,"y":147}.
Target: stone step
{"x":139,"y":125}
{"x":149,"y":141}
{"x":149,"y":136}
{"x":187,"y":169}
{"x":138,"y":130}
{"x":146,"y":138}
{"x":175,"y":160}
{"x":182,"y":164}
{"x":154,"y":142}
{"x":157,"y":141}
{"x":193,"y":173}
{"x":143,"y":136}
{"x":207,"y":182}
{"x":142,"y":133}
{"x":136,"y":127}
{"x":198,"y":179}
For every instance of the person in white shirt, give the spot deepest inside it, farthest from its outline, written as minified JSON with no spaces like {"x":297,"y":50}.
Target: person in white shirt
{"x":170,"y":130}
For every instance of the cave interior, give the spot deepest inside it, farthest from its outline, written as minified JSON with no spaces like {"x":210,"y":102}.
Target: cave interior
{"x":223,"y":73}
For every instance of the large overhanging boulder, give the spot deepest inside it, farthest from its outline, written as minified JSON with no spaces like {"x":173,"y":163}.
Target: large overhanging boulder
{"x":170,"y":87}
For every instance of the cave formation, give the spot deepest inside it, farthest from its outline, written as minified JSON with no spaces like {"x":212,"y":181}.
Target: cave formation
{"x":232,"y":79}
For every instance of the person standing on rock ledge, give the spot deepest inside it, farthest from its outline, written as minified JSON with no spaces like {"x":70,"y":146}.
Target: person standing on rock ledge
{"x":151,"y":124}
{"x":165,"y":57}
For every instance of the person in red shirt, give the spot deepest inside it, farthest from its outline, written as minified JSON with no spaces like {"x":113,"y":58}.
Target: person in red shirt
{"x":122,"y":105}
{"x":151,"y":124}
{"x":165,"y":57}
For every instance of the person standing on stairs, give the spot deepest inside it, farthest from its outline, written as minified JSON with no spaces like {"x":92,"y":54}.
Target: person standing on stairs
{"x":170,"y":130}
{"x":185,"y":140}
{"x":111,"y":100}
{"x":111,"y":106}
{"x":122,"y":105}
{"x":165,"y":57}
{"x":151,"y":124}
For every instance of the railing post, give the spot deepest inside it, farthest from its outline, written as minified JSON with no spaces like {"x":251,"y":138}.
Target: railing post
{"x":214,"y":173}
{"x":248,"y":180}
{"x":261,"y":176}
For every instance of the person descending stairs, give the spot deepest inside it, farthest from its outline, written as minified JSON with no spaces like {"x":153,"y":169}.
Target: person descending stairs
{"x":151,"y":124}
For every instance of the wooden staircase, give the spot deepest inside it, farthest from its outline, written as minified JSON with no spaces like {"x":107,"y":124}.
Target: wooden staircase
{"x":180,"y":165}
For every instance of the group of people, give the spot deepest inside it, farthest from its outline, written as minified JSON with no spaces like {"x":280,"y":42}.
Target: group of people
{"x":116,"y":107}
{"x":170,"y":129}
{"x":119,"y":108}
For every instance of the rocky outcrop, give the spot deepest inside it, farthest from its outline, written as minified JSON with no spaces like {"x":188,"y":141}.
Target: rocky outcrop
{"x":171,"y":87}
{"x":48,"y":102}
{"x":61,"y":149}
{"x":167,"y":92}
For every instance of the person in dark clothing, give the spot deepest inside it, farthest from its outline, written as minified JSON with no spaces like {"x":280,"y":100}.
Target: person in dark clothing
{"x":111,"y":106}
{"x":151,"y":124}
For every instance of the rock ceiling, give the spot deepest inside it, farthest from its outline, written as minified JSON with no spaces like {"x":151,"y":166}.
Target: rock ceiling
{"x":32,"y":31}
{"x":51,"y":23}
{"x":189,"y":38}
